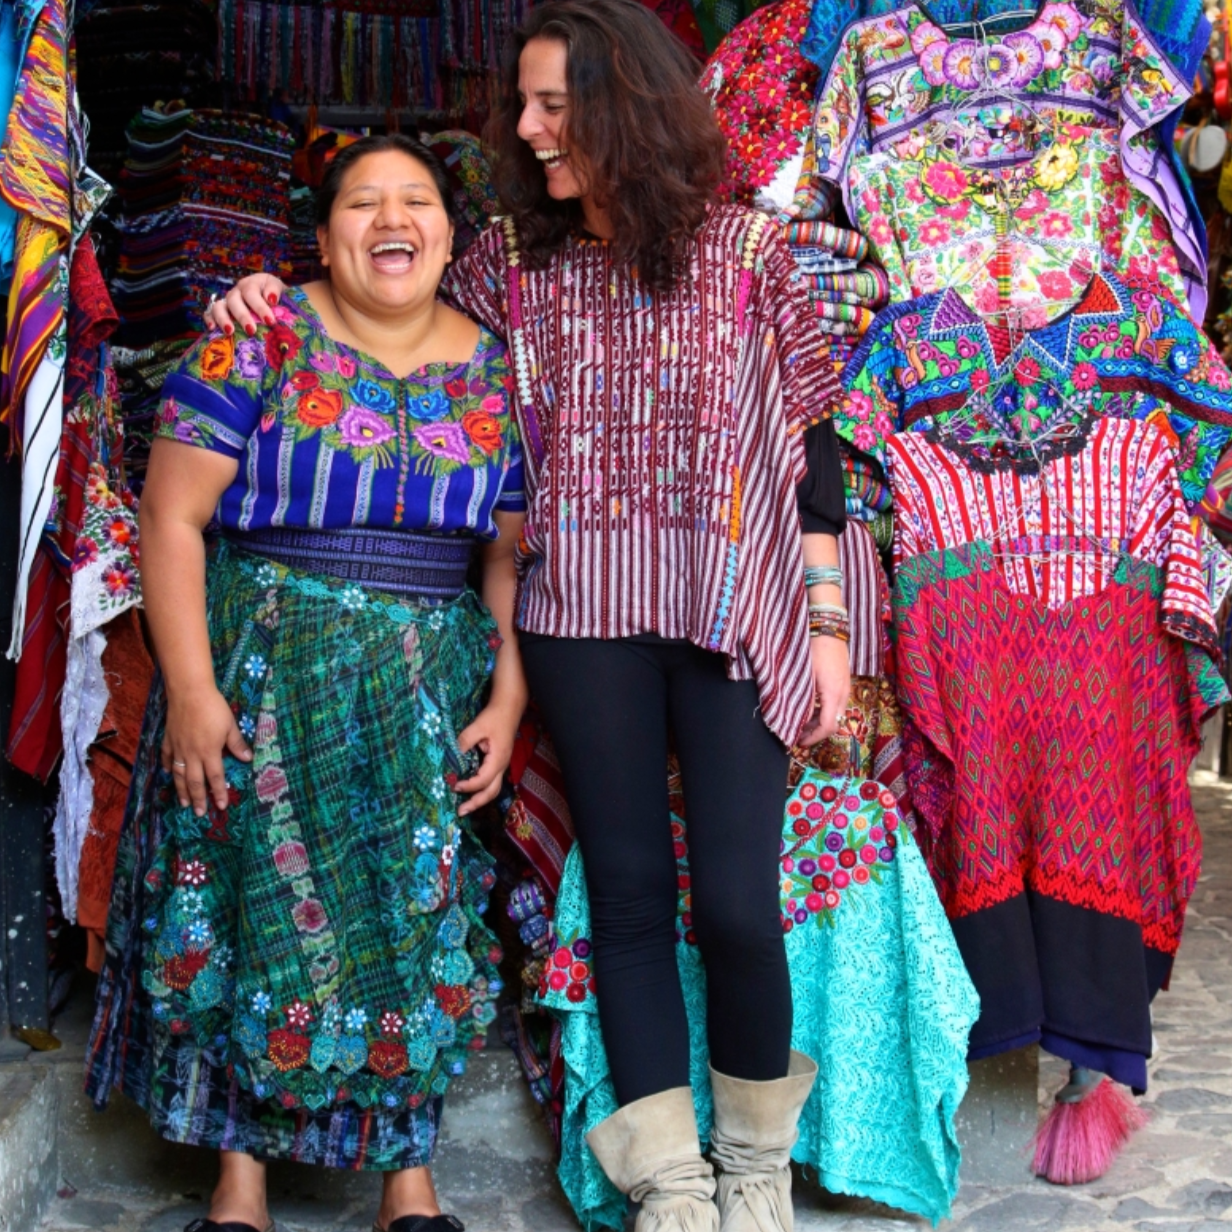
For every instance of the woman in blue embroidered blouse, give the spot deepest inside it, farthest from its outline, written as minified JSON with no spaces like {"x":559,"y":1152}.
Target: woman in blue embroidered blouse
{"x":297,"y":964}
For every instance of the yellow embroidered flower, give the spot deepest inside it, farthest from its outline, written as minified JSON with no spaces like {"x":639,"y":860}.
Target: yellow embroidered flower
{"x":1057,"y":167}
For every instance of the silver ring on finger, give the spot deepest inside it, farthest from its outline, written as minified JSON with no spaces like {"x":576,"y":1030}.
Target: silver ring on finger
{"x":180,"y":765}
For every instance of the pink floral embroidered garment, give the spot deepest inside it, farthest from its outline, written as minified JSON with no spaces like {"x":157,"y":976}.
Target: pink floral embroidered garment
{"x":1020,"y":238}
{"x":902,"y":87}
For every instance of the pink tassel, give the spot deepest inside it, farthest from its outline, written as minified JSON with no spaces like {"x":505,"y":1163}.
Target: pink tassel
{"x":1077,"y":1142}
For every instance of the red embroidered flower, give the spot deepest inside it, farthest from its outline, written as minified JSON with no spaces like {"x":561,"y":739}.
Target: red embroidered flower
{"x":1056,"y":284}
{"x":180,"y":971}
{"x":318,"y":408}
{"x":287,"y":1050}
{"x":1084,"y":375}
{"x":192,"y":873}
{"x":454,"y":999}
{"x":391,"y":1023}
{"x":305,"y":380}
{"x":484,"y":429}
{"x":1027,"y":371}
{"x":281,"y":345}
{"x":298,"y":1014}
{"x":387,"y":1058}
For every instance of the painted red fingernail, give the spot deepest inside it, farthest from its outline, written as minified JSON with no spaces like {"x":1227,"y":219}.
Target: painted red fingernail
{"x":228,"y":330}
{"x":250,"y":330}
{"x":273,"y":299}
{"x":269,"y":320}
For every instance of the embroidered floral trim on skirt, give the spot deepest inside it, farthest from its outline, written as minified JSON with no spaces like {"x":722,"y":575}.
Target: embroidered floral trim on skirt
{"x":301,"y":974}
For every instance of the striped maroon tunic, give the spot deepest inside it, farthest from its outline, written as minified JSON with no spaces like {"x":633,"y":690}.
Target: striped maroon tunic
{"x":662,"y":499}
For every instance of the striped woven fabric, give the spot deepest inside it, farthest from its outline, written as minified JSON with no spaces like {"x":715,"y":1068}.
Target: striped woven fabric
{"x":820,"y":234}
{"x":870,"y":284}
{"x":626,"y":533}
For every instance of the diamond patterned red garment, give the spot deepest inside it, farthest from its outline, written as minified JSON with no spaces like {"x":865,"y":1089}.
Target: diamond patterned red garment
{"x":1055,"y":701}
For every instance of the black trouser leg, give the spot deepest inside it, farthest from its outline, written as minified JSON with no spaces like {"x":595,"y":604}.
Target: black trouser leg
{"x":734,"y":773}
{"x":606,"y":705}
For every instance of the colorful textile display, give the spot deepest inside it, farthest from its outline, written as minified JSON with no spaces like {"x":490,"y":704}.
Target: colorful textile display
{"x":1124,"y":350}
{"x":1053,"y":640}
{"x":439,"y":60}
{"x":853,"y":885}
{"x":36,"y":177}
{"x":762,"y":92}
{"x":206,"y":199}
{"x":1043,"y":79}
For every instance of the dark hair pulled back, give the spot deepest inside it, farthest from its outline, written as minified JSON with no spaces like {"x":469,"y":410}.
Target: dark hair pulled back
{"x":381,"y":143}
{"x":655,"y":154}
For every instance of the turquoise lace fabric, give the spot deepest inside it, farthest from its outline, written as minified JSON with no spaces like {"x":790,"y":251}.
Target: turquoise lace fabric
{"x":882,"y":1003}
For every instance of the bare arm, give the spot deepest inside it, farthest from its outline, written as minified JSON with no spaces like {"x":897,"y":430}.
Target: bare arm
{"x":831,"y":662}
{"x":496,"y":724}
{"x":182,"y":489}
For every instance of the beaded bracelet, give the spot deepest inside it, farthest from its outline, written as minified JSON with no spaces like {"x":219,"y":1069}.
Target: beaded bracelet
{"x":835,"y":631}
{"x":833,"y":610}
{"x":822,"y":575}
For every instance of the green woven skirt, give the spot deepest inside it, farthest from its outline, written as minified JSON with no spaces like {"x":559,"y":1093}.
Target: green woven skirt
{"x":321,"y":938}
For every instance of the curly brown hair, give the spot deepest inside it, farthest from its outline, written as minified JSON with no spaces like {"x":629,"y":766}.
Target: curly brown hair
{"x":654,"y":154}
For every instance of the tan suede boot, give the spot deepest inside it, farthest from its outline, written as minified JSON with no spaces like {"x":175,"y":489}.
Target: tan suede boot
{"x":754,"y":1131}
{"x":649,"y":1150}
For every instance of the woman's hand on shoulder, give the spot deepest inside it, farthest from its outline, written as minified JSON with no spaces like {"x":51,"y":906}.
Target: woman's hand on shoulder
{"x":492,"y":733}
{"x":200,"y":729}
{"x":246,"y":305}
{"x":831,"y":670}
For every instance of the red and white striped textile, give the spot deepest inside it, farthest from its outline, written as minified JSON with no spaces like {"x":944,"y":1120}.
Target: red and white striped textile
{"x":663,"y":441}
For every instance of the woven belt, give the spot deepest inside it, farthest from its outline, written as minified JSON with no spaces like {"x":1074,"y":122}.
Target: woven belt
{"x":431,"y":568}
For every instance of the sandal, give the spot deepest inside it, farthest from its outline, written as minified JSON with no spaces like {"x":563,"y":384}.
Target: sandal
{"x":209,"y":1225}
{"x":422,"y":1223}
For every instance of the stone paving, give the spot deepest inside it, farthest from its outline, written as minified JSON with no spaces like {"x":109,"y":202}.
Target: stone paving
{"x":494,"y":1165}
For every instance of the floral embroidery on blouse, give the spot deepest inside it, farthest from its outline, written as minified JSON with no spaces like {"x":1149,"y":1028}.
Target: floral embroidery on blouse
{"x":899,"y":84}
{"x":329,"y":438}
{"x":1125,"y":350}
{"x":1012,"y":237}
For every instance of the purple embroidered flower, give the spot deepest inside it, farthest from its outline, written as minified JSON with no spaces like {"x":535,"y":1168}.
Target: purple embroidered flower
{"x":1026,"y":56}
{"x":323,"y":361}
{"x":1052,"y":42}
{"x":834,"y":841}
{"x":808,"y":867}
{"x":1065,"y":17}
{"x":361,"y":428}
{"x":886,"y":855}
{"x":963,"y":64}
{"x":1002,"y":66}
{"x":581,"y":948}
{"x":925,"y":35}
{"x":932,"y":62}
{"x":250,"y":358}
{"x":85,"y":553}
{"x":444,"y":440}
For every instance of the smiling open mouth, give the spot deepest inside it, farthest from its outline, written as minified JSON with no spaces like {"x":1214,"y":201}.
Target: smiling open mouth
{"x":394,"y":257}
{"x":552,"y":158}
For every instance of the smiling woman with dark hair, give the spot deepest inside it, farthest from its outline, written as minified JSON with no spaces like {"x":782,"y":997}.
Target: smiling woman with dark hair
{"x":299,"y":967}
{"x":679,"y":567}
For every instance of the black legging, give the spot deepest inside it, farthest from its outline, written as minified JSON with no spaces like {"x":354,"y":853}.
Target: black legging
{"x":607,"y":706}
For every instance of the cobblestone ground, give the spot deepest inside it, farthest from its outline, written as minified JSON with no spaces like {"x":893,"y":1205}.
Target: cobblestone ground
{"x":494,"y":1168}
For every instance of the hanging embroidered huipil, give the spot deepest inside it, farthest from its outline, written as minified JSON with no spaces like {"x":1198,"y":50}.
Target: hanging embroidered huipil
{"x":1124,"y":350}
{"x":899,"y":87}
{"x":1054,"y":644}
